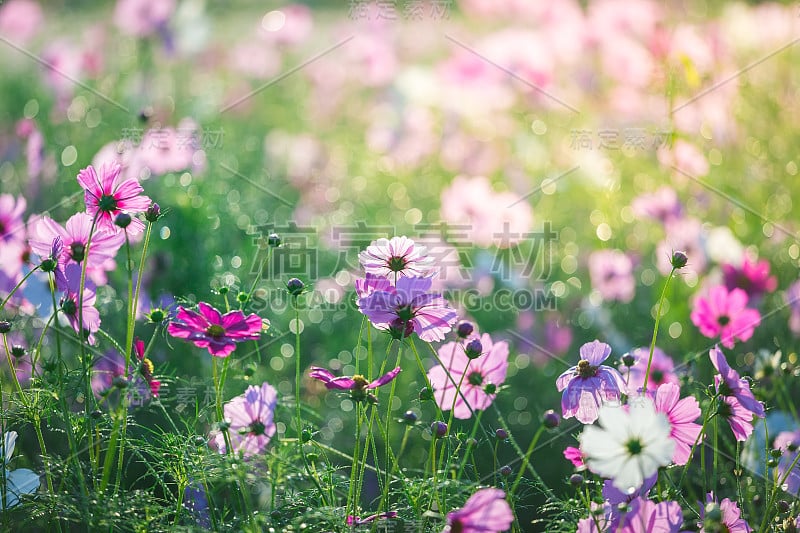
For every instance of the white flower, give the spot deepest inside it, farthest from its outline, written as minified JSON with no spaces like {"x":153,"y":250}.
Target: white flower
{"x":20,"y":481}
{"x":631,"y":444}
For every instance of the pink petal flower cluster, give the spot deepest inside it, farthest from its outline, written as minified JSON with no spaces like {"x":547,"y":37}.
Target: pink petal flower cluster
{"x":210,"y":329}
{"x":466,"y":384}
{"x":357,"y":385}
{"x":725,"y":315}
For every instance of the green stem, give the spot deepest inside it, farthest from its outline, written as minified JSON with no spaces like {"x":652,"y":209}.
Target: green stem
{"x":525,"y":461}
{"x":18,"y":285}
{"x":655,"y":330}
{"x":467,"y":452}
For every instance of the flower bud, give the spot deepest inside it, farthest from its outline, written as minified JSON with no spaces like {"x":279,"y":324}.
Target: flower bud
{"x":465,"y":329}
{"x":490,"y":388}
{"x":153,"y":213}
{"x":410,"y":417}
{"x":18,"y":351}
{"x":439,"y":429}
{"x":5,"y":326}
{"x":48,"y":265}
{"x":123,"y":220}
{"x":501,"y":434}
{"x":305,"y":435}
{"x":783,"y":506}
{"x":678,"y":259}
{"x":550,"y":419}
{"x":119,"y":382}
{"x":474,"y":349}
{"x":628,"y":360}
{"x":425,"y":394}
{"x":295,"y":286}
{"x":274,"y":240}
{"x":576,"y":480}
{"x":505,"y":471}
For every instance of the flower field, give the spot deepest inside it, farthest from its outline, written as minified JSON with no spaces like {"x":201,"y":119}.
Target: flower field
{"x":463,"y":266}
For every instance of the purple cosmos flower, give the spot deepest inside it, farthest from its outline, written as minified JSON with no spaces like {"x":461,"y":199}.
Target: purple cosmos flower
{"x":643,"y":516}
{"x":729,"y":383}
{"x":611,"y":272}
{"x":739,"y":418}
{"x":614,"y":496}
{"x":212,"y":330}
{"x":682,"y":414}
{"x":409,"y":307}
{"x":752,"y":277}
{"x":725,"y":314}
{"x":370,"y":284}
{"x":486,"y":511}
{"x":588,"y":384}
{"x":732,"y":520}
{"x":395,"y":257}
{"x":662,"y":370}
{"x":357,"y":385}
{"x":251,"y":420}
{"x":478,"y":378}
{"x":111,"y":365}
{"x":11,"y":223}
{"x":107,"y":196}
{"x":75,"y":235}
{"x":788,"y":442}
{"x":69,"y":281}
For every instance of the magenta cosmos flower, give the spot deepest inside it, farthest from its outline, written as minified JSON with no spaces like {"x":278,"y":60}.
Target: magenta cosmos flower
{"x":588,"y":384}
{"x":739,"y":418}
{"x":611,"y":272}
{"x":395,"y":257}
{"x":789,"y":442}
{"x":662,"y":370}
{"x":752,"y":277}
{"x":486,"y":511}
{"x":643,"y":516}
{"x":75,"y":236}
{"x":409,"y":307}
{"x":575,"y":456}
{"x":682,"y":414}
{"x":732,"y":520}
{"x":251,"y":420}
{"x":357,"y":385}
{"x":210,"y":329}
{"x":729,"y":383}
{"x":107,"y":195}
{"x":478,"y":377}
{"x":725,"y":315}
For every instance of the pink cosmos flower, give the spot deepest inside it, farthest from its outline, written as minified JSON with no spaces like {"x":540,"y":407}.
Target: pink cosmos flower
{"x":251,"y":417}
{"x":75,"y":236}
{"x":478,"y":378}
{"x":611,"y":272}
{"x":739,"y":418}
{"x":729,"y":383}
{"x":398,"y":256}
{"x":662,"y":205}
{"x":643,"y":516}
{"x":12,"y":228}
{"x":357,"y":385}
{"x":486,"y":511}
{"x":210,"y":329}
{"x":732,"y":520}
{"x":588,"y":384}
{"x":140,"y":18}
{"x":69,"y":281}
{"x":107,"y":196}
{"x":20,"y":20}
{"x":682,"y":414}
{"x":370,"y":284}
{"x":725,"y":314}
{"x":662,"y":370}
{"x":752,"y":277}
{"x":164,"y":150}
{"x":788,"y":442}
{"x":409,"y":307}
{"x":575,"y":456}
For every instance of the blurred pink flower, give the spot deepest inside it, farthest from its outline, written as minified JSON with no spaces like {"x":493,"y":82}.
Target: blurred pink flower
{"x":788,"y":442}
{"x":20,"y":20}
{"x":210,"y":329}
{"x":486,"y":511}
{"x":732,"y":520}
{"x":728,"y":383}
{"x":164,"y":150}
{"x":289,"y":25}
{"x":725,"y":315}
{"x":477,"y":377}
{"x":357,"y":385}
{"x":12,"y":227}
{"x":792,"y":298}
{"x":574,"y":456}
{"x":643,"y":516}
{"x":611,"y":272}
{"x":686,"y":157}
{"x":738,"y":417}
{"x":686,"y":235}
{"x":141,"y":18}
{"x":752,"y":277}
{"x":662,"y":205}
{"x":662,"y":370}
{"x":70,"y":303}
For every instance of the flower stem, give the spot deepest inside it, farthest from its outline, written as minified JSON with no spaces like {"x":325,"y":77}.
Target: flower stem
{"x":526,"y":460}
{"x":655,"y":330}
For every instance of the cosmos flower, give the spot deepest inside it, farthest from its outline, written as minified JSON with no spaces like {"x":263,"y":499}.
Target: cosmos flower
{"x":642,"y":516}
{"x":69,"y":281}
{"x":20,"y":481}
{"x":11,"y":225}
{"x":630,"y":445}
{"x":575,"y":456}
{"x":251,"y":420}
{"x":739,"y":418}
{"x":395,"y":257}
{"x":752,"y":277}
{"x":107,"y":196}
{"x":357,"y":385}
{"x":210,"y":329}
{"x":611,"y":272}
{"x":588,"y":384}
{"x":731,"y":516}
{"x":728,"y":383}
{"x":486,"y":511}
{"x":682,"y":414}
{"x":409,"y":307}
{"x":788,"y":442}
{"x":662,"y":370}
{"x":662,"y":205}
{"x":725,"y":315}
{"x":478,"y":377}
{"x":371,"y":283}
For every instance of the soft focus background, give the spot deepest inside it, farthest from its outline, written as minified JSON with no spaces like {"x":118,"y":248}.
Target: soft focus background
{"x":550,"y":155}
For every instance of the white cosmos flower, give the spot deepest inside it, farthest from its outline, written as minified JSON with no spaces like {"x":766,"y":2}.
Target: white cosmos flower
{"x":18,"y":482}
{"x":631,"y":444}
